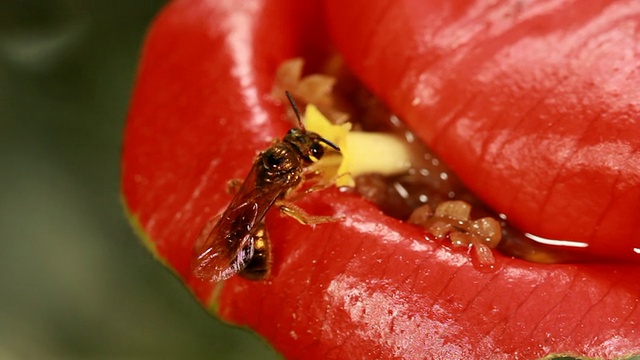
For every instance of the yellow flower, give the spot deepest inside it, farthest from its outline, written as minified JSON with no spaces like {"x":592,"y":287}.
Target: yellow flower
{"x":361,"y":152}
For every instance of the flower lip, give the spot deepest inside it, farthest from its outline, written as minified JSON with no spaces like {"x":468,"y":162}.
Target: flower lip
{"x":170,"y":184}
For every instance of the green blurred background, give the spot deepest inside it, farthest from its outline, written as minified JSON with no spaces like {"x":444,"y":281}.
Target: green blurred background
{"x":74,"y":280}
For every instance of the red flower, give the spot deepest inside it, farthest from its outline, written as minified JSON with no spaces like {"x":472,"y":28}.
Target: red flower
{"x":535,"y":106}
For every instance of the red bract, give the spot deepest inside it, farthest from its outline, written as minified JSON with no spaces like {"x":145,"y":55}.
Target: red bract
{"x":535,"y":105}
{"x":372,"y":286}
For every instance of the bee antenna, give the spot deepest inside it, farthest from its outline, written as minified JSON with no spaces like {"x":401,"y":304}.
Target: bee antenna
{"x":330,"y":144}
{"x":295,"y":109}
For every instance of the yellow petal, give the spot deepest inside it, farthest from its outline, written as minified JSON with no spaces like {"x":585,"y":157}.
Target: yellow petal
{"x":374,"y":153}
{"x":362,"y":152}
{"x":318,"y":123}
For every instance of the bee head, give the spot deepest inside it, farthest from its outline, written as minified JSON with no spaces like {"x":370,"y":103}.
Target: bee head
{"x":308,"y":143}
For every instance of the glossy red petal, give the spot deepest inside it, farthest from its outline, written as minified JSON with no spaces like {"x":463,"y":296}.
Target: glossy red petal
{"x":367,"y":287}
{"x":372,"y":287}
{"x":199,"y":113}
{"x":536,"y":105}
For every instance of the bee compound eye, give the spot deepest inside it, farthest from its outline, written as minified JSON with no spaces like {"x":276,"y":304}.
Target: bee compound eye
{"x":317,"y":150}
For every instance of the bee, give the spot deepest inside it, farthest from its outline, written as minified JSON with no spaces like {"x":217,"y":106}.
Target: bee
{"x":237,"y":241}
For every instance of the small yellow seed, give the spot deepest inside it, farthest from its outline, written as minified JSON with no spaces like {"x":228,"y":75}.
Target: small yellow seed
{"x":458,"y":210}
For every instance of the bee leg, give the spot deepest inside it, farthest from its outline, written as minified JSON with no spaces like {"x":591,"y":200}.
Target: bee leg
{"x":323,"y":184}
{"x":299,"y":191}
{"x":296,"y":212}
{"x":233,"y":186}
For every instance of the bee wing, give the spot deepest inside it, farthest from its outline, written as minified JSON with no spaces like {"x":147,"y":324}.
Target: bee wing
{"x":225,"y":245}
{"x":222,"y":250}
